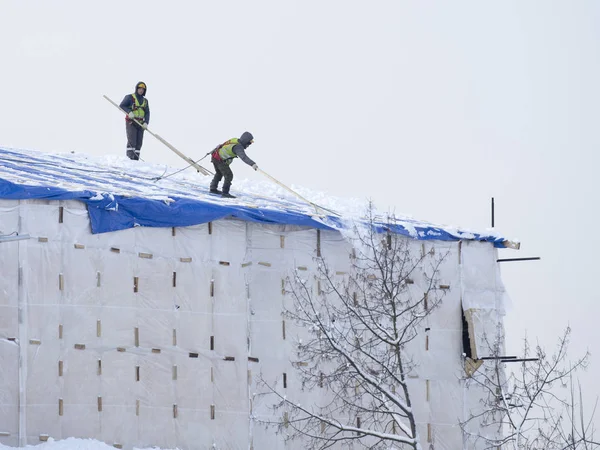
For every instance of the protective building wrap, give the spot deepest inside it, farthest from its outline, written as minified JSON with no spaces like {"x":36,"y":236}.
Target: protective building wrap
{"x":156,"y":336}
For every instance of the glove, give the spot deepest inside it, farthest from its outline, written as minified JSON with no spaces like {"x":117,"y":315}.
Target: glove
{"x":144,"y":125}
{"x":254,"y":166}
{"x":131,"y":115}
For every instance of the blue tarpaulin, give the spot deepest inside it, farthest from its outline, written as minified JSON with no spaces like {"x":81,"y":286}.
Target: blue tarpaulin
{"x":122,"y":194}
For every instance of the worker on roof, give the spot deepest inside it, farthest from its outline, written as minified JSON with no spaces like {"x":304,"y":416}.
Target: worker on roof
{"x":222,"y":157}
{"x":138,"y":117}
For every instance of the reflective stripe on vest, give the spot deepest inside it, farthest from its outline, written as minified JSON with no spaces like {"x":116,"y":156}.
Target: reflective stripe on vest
{"x":226,"y":150}
{"x":138,"y":110}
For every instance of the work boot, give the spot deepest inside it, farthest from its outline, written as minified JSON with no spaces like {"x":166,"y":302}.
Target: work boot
{"x":215,"y":191}
{"x":227,"y":195}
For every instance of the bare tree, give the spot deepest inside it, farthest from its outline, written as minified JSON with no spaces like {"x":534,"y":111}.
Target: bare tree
{"x":356,"y":352}
{"x":525,"y":410}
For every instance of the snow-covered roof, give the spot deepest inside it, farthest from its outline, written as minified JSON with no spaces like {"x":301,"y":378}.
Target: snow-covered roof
{"x":121,"y":194}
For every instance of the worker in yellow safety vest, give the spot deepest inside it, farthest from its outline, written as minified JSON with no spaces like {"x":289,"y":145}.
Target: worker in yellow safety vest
{"x":222,"y":157}
{"x":137,"y":119}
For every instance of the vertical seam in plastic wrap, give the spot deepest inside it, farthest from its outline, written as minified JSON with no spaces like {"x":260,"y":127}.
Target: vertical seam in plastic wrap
{"x":248,"y":299}
{"x":22,"y":348}
{"x":464,"y":382}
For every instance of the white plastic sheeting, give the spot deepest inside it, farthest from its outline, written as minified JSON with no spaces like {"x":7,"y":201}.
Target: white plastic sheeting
{"x":155,"y":336}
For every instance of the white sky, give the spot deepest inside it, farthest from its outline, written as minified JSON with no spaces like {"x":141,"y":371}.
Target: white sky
{"x":428,"y":108}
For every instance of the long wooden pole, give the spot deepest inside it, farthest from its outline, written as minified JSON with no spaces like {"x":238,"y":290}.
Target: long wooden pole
{"x":318,"y":209}
{"x":189,"y":160}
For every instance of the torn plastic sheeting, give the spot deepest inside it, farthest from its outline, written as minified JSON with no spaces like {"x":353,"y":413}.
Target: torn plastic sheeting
{"x":481,"y":285}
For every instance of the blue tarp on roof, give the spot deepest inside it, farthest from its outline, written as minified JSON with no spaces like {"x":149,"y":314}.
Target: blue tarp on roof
{"x":122,"y":194}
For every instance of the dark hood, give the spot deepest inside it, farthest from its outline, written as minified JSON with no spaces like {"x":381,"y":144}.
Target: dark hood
{"x":245,"y":139}
{"x":138,"y":84}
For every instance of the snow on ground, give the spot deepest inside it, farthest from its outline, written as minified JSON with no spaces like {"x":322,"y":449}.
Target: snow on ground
{"x":67,"y":444}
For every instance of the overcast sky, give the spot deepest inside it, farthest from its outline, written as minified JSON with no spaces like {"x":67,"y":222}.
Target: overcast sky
{"x":428,"y":108}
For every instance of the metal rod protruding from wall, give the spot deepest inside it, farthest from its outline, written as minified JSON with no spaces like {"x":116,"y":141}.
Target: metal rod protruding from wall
{"x":530,"y":258}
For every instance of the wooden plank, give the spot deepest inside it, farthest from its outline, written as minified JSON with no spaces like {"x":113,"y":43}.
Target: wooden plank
{"x":471,"y":366}
{"x":512,"y":244}
{"x":471,"y":330}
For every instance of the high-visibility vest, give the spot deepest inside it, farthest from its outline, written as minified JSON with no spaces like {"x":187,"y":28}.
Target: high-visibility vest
{"x":225,"y":150}
{"x":138,"y":110}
